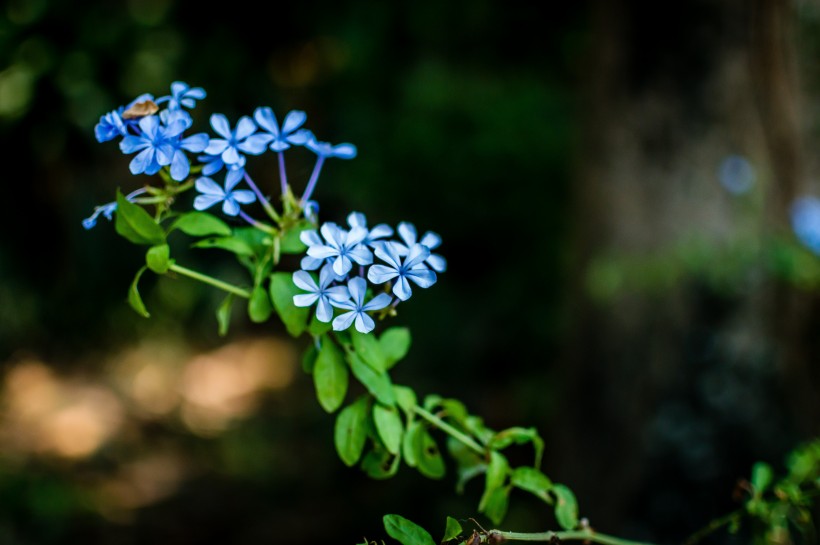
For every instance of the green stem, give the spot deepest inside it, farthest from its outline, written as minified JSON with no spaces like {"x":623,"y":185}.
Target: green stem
{"x":713,"y":526}
{"x":230,"y":288}
{"x":450,"y":430}
{"x":587,"y":535}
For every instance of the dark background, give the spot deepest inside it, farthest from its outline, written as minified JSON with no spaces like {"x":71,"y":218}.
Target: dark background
{"x":602,"y":285}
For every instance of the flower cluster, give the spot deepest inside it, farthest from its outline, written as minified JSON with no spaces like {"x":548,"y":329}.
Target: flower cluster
{"x":154,"y":130}
{"x":343,"y":285}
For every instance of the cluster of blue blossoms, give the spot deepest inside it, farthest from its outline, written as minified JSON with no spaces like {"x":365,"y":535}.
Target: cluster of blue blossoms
{"x":153,"y":129}
{"x":333,"y":251}
{"x":157,"y":138}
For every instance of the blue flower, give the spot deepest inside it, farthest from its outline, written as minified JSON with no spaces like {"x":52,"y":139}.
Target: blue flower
{"x":112,"y":124}
{"x":411,"y":269}
{"x":230,"y":198}
{"x":182,"y":95}
{"x":324,"y":149}
{"x":407,"y":232}
{"x":736,"y":174}
{"x":283,"y":138}
{"x":311,"y":211}
{"x":357,"y":307}
{"x":153,"y":144}
{"x":805,"y":215}
{"x":214,"y":163}
{"x":342,"y":247}
{"x":177,"y":122}
{"x":320,"y":293}
{"x":109,"y":208}
{"x":357,"y":219}
{"x":242,"y":139}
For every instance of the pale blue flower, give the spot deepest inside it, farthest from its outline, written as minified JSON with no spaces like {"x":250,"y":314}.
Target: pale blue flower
{"x":311,"y":211}
{"x":153,"y":144}
{"x":325,"y":149}
{"x":242,"y":139}
{"x":736,"y":174}
{"x":182,"y":95}
{"x":357,"y":219}
{"x":108,"y":209}
{"x":805,"y":216}
{"x":407,"y":232}
{"x":412,"y":268}
{"x":230,"y":198}
{"x":342,"y":247}
{"x":358,"y":308}
{"x":112,"y":124}
{"x":321,"y":294}
{"x":178,"y":121}
{"x":288,"y":135}
{"x":214,"y":163}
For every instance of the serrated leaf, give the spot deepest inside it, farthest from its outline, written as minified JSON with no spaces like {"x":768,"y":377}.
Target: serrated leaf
{"x":566,"y":507}
{"x":330,"y":377}
{"x":380,"y":464}
{"x":259,"y":306}
{"x":427,"y":455}
{"x":350,"y":431}
{"x":201,"y":224}
{"x":405,"y":531}
{"x":282,"y":290}
{"x":290,"y":243}
{"x":377,"y":384}
{"x":157,"y":258}
{"x":223,"y":315}
{"x":369,"y":350}
{"x":395,"y":343}
{"x":452,"y":530}
{"x":388,"y":426}
{"x":134,"y":298}
{"x":135,"y":224}
{"x":533,"y":481}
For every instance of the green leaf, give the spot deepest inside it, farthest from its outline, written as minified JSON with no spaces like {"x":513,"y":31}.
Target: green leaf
{"x":350,"y":432}
{"x":496,"y":504}
{"x":231,"y":244}
{"x":201,"y":224}
{"x":468,"y":463}
{"x":762,"y":476}
{"x":258,"y":241}
{"x":452,"y":531}
{"x":135,"y":224}
{"x":158,"y":258}
{"x":519,"y":436}
{"x":330,"y":376}
{"x":259,"y":307}
{"x":282,"y":290}
{"x":380,"y":464}
{"x":408,"y":443}
{"x":533,"y":481}
{"x":290,"y":243}
{"x":318,"y":328}
{"x":369,"y":350}
{"x":395,"y":342}
{"x":497,"y":471}
{"x":309,"y":358}
{"x":566,"y":507}
{"x":377,"y":384}
{"x":388,"y":426}
{"x":134,"y":298}
{"x":223,"y":315}
{"x":406,"y":532}
{"x":406,"y":398}
{"x":428,"y":458}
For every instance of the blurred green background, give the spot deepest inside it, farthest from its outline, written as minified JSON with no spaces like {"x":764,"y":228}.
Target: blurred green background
{"x":602,"y":286}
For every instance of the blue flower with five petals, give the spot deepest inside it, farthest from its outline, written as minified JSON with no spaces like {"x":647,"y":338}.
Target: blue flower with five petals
{"x":230,"y":198}
{"x":325,"y":149}
{"x":182,"y":94}
{"x":358,"y":308}
{"x":153,"y":144}
{"x":288,"y":135}
{"x":342,"y":247}
{"x":242,"y":139}
{"x":382,"y":230}
{"x":407,"y":232}
{"x":411,"y":268}
{"x":321,"y":293}
{"x":180,"y":165}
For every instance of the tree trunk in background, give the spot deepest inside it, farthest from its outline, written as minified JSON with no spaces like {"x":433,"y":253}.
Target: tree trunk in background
{"x":677,"y":391}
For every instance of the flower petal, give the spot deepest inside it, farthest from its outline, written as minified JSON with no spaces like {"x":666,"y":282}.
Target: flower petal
{"x":379,"y":302}
{"x":305,"y":281}
{"x":244,"y":128}
{"x":343,"y":321}
{"x":244,"y":196}
{"x":422,"y":276}
{"x":267,"y":120}
{"x":230,"y":207}
{"x":379,"y":274}
{"x":437,"y":263}
{"x":216,"y":146}
{"x":417,"y":255}
{"x":141,"y":161}
{"x":221,"y":126}
{"x":255,"y":144}
{"x":293,"y":121}
{"x":407,"y":232}
{"x":305,"y":299}
{"x":361,"y":254}
{"x":364,"y":323}
{"x":324,"y":311}
{"x":358,"y":288}
{"x":402,"y":289}
{"x":180,"y":167}
{"x":209,"y":187}
{"x":201,"y":202}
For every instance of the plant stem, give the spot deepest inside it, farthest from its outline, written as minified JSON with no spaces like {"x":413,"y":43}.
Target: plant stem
{"x":587,"y":535}
{"x":450,"y":430}
{"x":230,"y":288}
{"x":314,"y":177}
{"x":258,"y":224}
{"x":283,"y":179}
{"x":712,"y":526}
{"x":262,"y":200}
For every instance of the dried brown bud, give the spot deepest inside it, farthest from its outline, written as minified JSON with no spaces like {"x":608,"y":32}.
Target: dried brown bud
{"x":474,"y":539}
{"x":140,"y":109}
{"x":495,"y":538}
